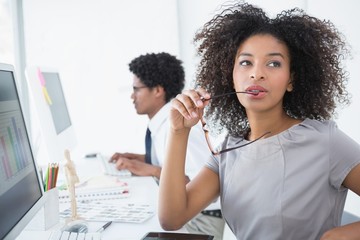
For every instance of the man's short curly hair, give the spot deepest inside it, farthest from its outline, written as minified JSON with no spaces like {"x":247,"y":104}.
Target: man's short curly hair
{"x":160,"y":69}
{"x":316,"y":49}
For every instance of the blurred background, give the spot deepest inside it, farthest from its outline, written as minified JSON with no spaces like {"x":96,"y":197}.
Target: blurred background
{"x":91,"y":43}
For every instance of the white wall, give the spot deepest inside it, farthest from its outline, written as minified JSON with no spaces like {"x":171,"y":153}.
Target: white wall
{"x":92,"y":42}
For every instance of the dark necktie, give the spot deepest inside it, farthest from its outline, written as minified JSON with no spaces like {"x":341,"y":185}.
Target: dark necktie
{"x":148,"y":146}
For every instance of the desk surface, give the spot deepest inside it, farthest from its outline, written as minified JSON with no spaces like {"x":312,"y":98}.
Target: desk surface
{"x":142,"y":189}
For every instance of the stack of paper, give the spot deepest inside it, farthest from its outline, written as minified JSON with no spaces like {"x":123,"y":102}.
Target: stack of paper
{"x":111,"y":211}
{"x":98,"y":189}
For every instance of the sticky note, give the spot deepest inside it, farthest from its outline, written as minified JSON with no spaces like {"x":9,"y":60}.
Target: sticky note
{"x":46,"y":96}
{"x":41,"y":77}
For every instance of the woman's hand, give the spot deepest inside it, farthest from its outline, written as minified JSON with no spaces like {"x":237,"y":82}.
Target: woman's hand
{"x":187,"y":108}
{"x":138,"y":168}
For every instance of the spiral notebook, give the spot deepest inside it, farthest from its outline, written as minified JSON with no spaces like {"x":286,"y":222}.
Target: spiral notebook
{"x":98,"y":189}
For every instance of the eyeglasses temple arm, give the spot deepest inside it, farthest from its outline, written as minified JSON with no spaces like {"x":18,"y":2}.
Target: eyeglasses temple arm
{"x":229,"y":149}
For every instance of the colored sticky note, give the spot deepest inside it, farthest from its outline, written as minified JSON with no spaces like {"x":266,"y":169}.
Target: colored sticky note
{"x":41,"y":77}
{"x":46,"y":96}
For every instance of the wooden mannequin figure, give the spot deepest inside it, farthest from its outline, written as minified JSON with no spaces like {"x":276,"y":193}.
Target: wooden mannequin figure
{"x":72,"y":179}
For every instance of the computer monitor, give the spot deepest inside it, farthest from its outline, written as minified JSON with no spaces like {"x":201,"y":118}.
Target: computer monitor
{"x":21,"y":191}
{"x":53,"y":116}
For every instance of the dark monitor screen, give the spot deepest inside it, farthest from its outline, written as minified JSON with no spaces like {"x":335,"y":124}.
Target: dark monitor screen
{"x":20,"y":186}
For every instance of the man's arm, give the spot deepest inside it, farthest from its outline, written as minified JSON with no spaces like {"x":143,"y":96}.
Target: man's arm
{"x":138,"y":168}
{"x":133,"y":156}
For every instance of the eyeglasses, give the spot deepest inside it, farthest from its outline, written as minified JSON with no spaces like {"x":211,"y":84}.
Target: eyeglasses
{"x":206,"y":131}
{"x":136,"y":89}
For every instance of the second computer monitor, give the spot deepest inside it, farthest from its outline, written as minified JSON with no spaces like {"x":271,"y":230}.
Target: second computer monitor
{"x":49,"y":102}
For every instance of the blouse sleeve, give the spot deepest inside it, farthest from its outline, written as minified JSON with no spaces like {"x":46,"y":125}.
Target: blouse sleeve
{"x":344,"y":155}
{"x":213,"y":162}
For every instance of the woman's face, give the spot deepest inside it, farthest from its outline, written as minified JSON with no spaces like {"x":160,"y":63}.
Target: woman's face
{"x":262,"y":64}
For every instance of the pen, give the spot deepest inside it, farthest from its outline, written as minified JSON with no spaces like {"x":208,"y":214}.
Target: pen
{"x":104,"y":227}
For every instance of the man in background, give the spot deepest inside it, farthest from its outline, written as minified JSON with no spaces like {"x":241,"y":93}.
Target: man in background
{"x":157,"y":78}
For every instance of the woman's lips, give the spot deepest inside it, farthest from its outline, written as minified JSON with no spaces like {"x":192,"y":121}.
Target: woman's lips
{"x":255,"y":90}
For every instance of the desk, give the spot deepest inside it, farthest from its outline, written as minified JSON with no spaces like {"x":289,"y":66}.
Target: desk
{"x":142,"y":190}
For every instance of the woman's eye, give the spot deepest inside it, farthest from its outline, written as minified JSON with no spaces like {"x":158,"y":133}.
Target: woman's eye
{"x":274,"y":64}
{"x":245,"y":63}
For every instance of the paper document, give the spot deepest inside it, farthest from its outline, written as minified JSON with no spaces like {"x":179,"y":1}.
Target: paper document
{"x":98,"y":189}
{"x":110,"y":211}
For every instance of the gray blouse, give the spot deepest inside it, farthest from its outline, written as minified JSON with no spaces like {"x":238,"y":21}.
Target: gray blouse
{"x":287,"y":186}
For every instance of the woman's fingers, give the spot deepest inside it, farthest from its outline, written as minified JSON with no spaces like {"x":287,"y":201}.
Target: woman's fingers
{"x":197,"y":96}
{"x":189,"y":102}
{"x":187,"y":109}
{"x":178,"y":105}
{"x":203,"y":94}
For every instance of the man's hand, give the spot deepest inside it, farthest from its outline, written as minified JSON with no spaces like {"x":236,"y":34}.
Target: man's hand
{"x":133,"y":156}
{"x":138,"y":168}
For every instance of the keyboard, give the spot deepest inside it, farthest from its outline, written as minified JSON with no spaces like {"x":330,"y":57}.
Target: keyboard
{"x":110,"y":168}
{"x":64,"y":235}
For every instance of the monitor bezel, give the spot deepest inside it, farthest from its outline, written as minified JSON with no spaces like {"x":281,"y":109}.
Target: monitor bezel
{"x":55,"y":144}
{"x":29,"y":215}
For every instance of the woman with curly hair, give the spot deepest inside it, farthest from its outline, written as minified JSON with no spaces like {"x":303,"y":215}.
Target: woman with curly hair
{"x":284,"y":169}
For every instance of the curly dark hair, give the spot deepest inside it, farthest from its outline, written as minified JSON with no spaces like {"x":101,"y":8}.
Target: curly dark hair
{"x":316,"y":50}
{"x":160,"y":69}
